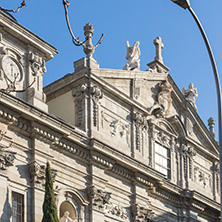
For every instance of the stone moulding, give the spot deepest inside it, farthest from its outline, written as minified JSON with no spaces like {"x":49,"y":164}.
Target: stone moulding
{"x":102,"y":161}
{"x":150,"y":185}
{"x":55,"y":141}
{"x":14,"y":121}
{"x":122,"y":172}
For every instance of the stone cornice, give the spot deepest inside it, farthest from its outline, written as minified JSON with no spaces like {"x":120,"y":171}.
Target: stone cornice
{"x":27,"y":36}
{"x":33,"y":114}
{"x":124,"y":74}
{"x":127,"y":161}
{"x":205,"y":200}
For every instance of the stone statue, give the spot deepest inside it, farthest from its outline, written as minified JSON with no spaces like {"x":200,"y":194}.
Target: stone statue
{"x":190,"y":94}
{"x":132,"y":55}
{"x":162,"y":107}
{"x":66,"y":218}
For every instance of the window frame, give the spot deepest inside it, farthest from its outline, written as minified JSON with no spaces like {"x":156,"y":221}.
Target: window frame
{"x":167,"y":157}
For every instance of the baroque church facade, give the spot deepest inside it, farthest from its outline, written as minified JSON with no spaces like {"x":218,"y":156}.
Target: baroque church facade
{"x":123,"y":145}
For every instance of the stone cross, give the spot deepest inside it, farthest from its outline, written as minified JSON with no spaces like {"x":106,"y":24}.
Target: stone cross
{"x":159,"y":46}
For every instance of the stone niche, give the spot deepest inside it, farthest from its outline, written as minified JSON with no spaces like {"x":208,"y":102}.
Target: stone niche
{"x":71,"y":201}
{"x":68,"y":206}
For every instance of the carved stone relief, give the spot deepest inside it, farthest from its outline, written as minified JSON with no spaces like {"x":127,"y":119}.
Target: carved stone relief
{"x":98,"y":198}
{"x":202,"y":177}
{"x":117,"y":211}
{"x":6,"y":158}
{"x":141,"y":125}
{"x":79,"y":94}
{"x":37,"y":172}
{"x":118,"y":128}
{"x":189,"y":126}
{"x":96,"y":95}
{"x":163,"y":139}
{"x":37,"y":64}
{"x":141,"y":214}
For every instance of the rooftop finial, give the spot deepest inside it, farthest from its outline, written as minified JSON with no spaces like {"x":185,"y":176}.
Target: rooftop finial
{"x":88,"y":47}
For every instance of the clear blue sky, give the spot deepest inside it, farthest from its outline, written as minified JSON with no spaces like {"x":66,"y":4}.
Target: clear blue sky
{"x":120,"y":20}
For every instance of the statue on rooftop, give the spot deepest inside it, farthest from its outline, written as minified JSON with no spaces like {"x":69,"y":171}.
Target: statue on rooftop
{"x":132,"y":55}
{"x":190,"y":94}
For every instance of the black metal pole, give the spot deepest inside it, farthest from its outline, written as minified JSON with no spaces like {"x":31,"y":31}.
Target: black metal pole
{"x":218,"y":87}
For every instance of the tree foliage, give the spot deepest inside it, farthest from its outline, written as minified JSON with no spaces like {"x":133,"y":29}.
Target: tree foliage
{"x":49,"y":206}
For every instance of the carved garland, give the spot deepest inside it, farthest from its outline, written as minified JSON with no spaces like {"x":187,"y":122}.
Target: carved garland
{"x":187,"y":155}
{"x":79,"y":93}
{"x":141,"y":125}
{"x":96,"y":95}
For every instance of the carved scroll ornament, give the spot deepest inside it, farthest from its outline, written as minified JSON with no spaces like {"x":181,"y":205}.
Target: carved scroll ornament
{"x":6,"y":158}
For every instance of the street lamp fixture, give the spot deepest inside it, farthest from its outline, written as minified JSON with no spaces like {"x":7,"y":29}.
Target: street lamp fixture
{"x":186,"y":5}
{"x":182,"y":3}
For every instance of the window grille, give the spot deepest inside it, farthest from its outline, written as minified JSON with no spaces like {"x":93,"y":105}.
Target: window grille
{"x":17,"y":207}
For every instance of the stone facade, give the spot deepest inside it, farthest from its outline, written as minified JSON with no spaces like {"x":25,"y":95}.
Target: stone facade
{"x":124,"y":145}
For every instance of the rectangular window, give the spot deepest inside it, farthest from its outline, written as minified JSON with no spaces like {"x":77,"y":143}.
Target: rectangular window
{"x":17,"y":207}
{"x":162,"y":159}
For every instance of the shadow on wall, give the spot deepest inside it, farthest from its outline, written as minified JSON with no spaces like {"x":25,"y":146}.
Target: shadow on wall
{"x":7,"y":210}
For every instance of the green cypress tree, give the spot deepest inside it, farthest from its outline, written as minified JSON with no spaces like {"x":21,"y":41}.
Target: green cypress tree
{"x":49,"y":206}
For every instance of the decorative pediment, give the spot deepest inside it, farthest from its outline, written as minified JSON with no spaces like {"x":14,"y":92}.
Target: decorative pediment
{"x":164,"y":125}
{"x":178,"y":126}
